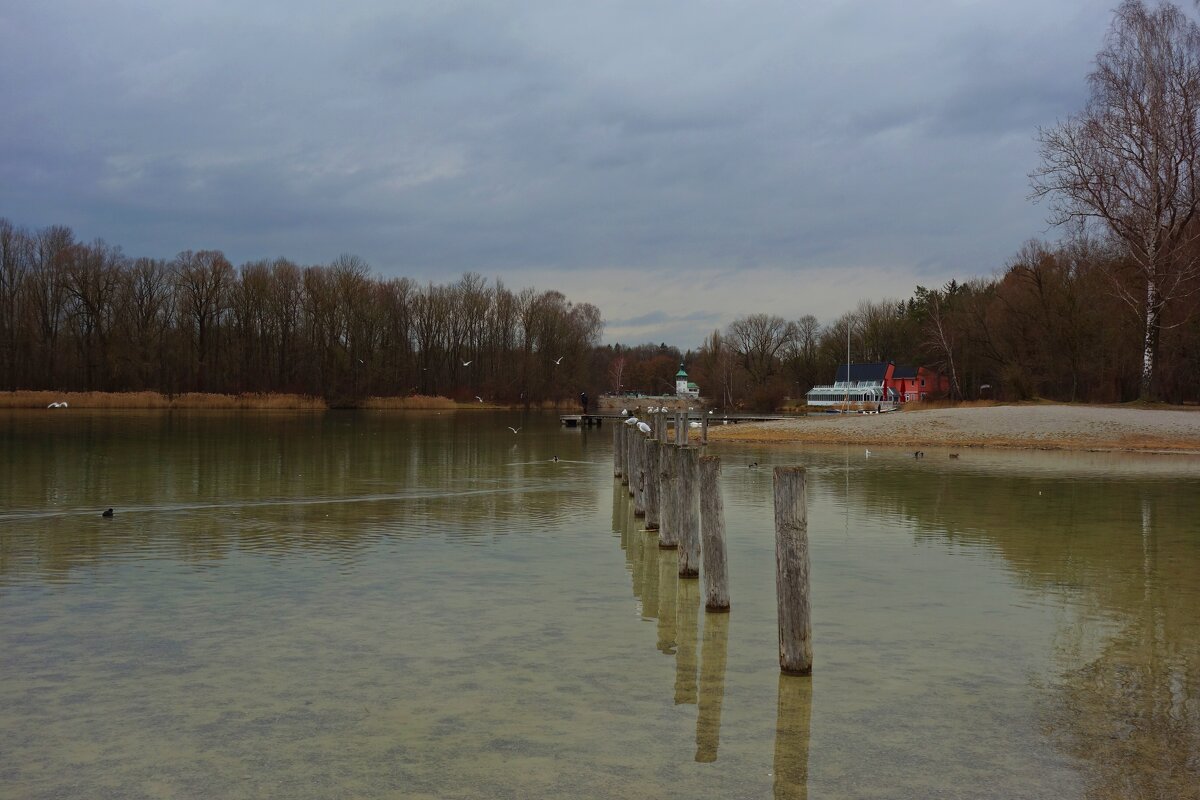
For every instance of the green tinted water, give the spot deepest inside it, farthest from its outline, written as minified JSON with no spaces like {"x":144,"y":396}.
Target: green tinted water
{"x":426,"y":605}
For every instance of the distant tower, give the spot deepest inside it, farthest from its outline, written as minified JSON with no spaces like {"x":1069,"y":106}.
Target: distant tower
{"x":684,"y":387}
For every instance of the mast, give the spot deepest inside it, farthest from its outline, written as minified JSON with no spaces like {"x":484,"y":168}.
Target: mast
{"x":847,"y":403}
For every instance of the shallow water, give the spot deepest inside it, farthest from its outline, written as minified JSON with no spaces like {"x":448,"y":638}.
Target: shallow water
{"x":426,"y":605}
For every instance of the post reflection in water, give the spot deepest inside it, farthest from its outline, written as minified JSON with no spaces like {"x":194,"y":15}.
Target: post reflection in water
{"x":685,"y":658}
{"x":668,"y":602}
{"x":791,"y":737}
{"x":712,"y":686}
{"x":649,"y":582}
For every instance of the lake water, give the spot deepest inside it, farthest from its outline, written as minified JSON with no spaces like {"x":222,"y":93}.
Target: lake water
{"x":368,"y":605}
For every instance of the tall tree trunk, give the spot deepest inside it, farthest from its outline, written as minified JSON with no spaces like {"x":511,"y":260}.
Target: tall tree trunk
{"x":1150,"y":340}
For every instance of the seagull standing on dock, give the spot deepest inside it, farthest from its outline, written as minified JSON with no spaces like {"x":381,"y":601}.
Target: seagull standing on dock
{"x":643,"y":427}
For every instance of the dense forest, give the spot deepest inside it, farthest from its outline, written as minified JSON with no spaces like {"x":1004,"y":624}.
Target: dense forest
{"x":1107,"y":314}
{"x":83,"y":316}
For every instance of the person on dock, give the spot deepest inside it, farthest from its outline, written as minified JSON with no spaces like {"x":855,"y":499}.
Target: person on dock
{"x":583,"y":401}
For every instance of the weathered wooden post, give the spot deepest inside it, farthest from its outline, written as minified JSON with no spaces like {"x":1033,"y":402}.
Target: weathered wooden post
{"x":688,"y":493}
{"x":631,"y":456}
{"x":650,"y":483}
{"x":639,"y":474}
{"x":630,"y":451}
{"x":681,"y":428}
{"x":660,"y":423}
{"x":791,"y":571}
{"x":712,"y":535}
{"x":668,"y":524}
{"x":704,"y":429}
{"x":617,"y":450}
{"x":624,"y":453}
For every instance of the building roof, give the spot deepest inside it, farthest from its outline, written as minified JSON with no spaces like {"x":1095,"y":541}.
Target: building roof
{"x":864,"y":372}
{"x":904,"y":372}
{"x":682,"y":372}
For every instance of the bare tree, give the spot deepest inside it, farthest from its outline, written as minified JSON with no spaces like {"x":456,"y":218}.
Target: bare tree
{"x":1129,"y":161}
{"x":758,"y":339}
{"x":15,"y":257}
{"x":203,"y":279}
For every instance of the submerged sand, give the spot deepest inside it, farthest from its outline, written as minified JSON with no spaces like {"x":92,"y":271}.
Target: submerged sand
{"x":1069,"y":427}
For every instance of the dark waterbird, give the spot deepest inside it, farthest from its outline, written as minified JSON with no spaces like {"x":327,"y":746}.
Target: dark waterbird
{"x":108,"y":513}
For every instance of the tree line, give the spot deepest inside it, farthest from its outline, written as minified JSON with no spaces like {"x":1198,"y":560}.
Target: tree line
{"x":84,"y":316}
{"x":1054,"y":323}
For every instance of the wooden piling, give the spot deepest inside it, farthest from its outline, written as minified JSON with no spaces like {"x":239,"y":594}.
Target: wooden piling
{"x":631,"y":454}
{"x":650,"y":484}
{"x":681,"y":428}
{"x":639,"y":474}
{"x":704,"y":429}
{"x":667,"y":522}
{"x":688,"y":499}
{"x":616,"y":451}
{"x":791,"y":571}
{"x":712,"y":535}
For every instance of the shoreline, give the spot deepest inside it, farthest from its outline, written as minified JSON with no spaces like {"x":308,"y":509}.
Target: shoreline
{"x":1025,"y":427}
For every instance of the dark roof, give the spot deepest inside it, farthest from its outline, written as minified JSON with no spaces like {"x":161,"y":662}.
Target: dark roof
{"x":864,"y":372}
{"x":904,"y":372}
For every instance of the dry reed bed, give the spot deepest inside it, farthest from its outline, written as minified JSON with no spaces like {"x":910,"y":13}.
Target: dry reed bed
{"x":199,"y":400}
{"x":155,"y":400}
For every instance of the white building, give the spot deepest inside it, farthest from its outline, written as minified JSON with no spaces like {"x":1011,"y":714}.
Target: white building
{"x":684,"y":387}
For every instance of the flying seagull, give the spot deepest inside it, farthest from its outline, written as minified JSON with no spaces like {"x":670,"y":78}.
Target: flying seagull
{"x":558,"y":360}
{"x":514,"y":430}
{"x":480,"y":399}
{"x":467,"y":363}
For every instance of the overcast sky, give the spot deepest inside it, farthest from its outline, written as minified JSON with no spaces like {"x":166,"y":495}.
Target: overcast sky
{"x":675,"y":163}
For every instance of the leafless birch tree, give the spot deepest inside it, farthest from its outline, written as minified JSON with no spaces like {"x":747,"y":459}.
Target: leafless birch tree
{"x":1128,"y":162}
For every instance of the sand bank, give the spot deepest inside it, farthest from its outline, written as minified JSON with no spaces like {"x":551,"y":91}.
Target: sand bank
{"x":1050,"y":427}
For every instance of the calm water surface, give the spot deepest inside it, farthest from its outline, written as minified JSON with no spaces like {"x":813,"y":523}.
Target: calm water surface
{"x":426,"y":605}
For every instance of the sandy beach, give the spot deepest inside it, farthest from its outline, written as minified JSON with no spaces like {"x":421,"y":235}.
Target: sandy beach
{"x":1046,"y":427}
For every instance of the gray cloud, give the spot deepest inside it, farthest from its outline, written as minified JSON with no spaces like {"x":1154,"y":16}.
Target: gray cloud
{"x":622,"y":141}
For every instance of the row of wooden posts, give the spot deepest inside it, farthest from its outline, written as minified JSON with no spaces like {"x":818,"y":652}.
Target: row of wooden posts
{"x":677,"y":490}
